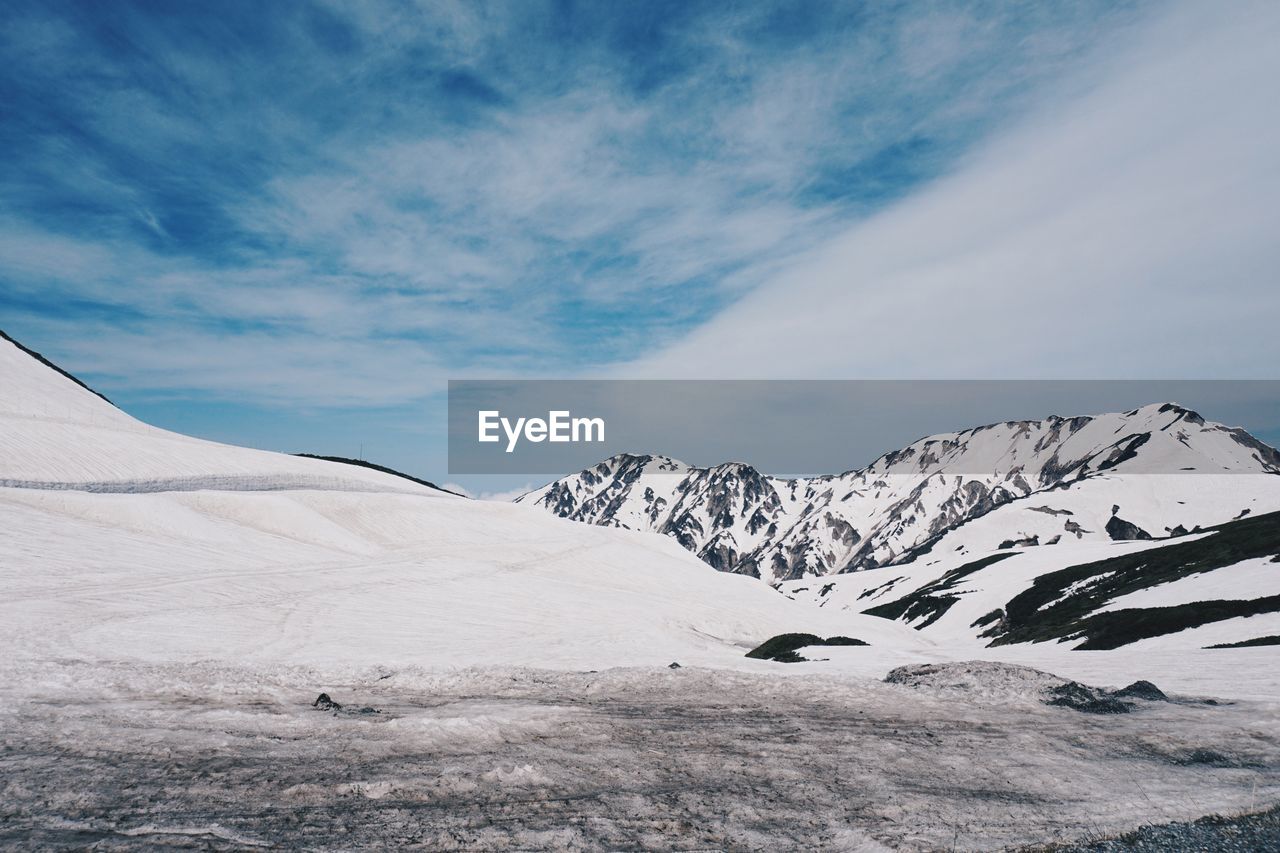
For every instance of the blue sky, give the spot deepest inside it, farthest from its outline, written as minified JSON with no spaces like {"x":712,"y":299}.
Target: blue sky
{"x":288,"y":224}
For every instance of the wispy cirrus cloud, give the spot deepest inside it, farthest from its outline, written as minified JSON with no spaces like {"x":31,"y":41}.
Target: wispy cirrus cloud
{"x":1123,"y":228}
{"x":342,"y":204}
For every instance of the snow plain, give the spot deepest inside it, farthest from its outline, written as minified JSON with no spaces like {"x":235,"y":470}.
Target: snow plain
{"x":170,"y":608}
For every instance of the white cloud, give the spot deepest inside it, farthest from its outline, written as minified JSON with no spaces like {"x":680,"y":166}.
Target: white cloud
{"x":574,"y":220}
{"x":1125,"y":228}
{"x":503,"y":496}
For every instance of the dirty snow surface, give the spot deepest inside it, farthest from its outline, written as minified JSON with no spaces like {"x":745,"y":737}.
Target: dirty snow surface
{"x":633,"y":758}
{"x":499,"y":679}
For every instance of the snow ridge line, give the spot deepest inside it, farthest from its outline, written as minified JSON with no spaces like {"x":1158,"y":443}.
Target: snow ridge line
{"x":212,"y":482}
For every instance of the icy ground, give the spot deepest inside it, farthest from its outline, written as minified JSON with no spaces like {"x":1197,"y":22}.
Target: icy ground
{"x":638,"y":758}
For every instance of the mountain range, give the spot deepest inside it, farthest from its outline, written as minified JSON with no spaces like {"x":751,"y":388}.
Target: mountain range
{"x":1157,"y":471}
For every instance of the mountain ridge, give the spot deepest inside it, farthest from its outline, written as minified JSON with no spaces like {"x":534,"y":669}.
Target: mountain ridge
{"x":897,"y":507}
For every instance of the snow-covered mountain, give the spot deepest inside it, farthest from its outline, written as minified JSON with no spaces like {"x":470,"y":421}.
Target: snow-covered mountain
{"x":123,"y":542}
{"x":1156,"y":471}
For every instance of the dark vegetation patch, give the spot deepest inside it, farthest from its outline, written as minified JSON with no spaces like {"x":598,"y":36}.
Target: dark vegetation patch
{"x":931,"y":601}
{"x":1271,"y":640}
{"x":983,"y":621}
{"x":783,"y":648}
{"x":1121,"y":627}
{"x":372,"y":466}
{"x":1044,"y":611}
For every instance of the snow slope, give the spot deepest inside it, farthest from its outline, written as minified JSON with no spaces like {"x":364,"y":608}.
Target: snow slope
{"x":120,"y":541}
{"x":1145,"y":596}
{"x":57,"y":434}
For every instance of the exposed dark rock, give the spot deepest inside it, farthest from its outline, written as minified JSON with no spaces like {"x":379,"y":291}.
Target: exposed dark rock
{"x":1088,"y":700}
{"x":1074,"y":527}
{"x":324,"y":703}
{"x":673,"y":665}
{"x":1272,"y":640}
{"x":884,"y":587}
{"x":1142,"y":690}
{"x":1121,"y":530}
{"x":1124,"y":450}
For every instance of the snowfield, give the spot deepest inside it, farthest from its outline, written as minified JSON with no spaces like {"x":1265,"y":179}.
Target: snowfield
{"x":170,"y":610}
{"x":316,"y":577}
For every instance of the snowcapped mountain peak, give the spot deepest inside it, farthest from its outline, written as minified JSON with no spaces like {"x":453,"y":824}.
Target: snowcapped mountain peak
{"x":1056,"y":448}
{"x":738,"y":519}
